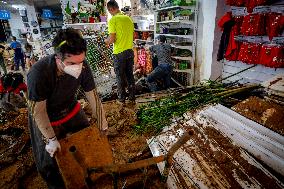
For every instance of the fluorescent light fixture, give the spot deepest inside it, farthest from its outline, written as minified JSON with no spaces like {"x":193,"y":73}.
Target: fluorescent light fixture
{"x":21,"y":7}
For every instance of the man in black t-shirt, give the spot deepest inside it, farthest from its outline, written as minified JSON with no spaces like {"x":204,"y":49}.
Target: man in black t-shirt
{"x":53,"y":108}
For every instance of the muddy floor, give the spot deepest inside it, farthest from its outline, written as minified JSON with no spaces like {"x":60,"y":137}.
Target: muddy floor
{"x":263,"y":112}
{"x":18,"y":169}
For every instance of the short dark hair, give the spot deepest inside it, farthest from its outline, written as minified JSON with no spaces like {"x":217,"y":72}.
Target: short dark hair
{"x":69,"y":41}
{"x":162,"y":38}
{"x":112,"y":4}
{"x":14,"y":38}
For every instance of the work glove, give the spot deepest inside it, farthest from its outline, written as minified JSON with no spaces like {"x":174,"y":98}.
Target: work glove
{"x":52,"y":146}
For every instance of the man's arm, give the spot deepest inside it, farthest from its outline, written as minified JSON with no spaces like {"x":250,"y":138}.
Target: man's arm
{"x":42,"y":120}
{"x":43,"y":123}
{"x":111,"y":39}
{"x":97,"y":109}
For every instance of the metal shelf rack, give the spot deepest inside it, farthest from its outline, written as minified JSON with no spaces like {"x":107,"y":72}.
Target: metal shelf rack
{"x":184,"y":77}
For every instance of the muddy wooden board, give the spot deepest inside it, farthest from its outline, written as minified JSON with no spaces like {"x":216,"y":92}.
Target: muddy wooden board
{"x":276,"y":84}
{"x":262,"y":111}
{"x":93,"y":148}
{"x":209,"y":159}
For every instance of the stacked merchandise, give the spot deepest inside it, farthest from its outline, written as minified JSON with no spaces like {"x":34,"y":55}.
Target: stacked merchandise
{"x":81,"y":11}
{"x":143,"y":34}
{"x":169,"y":3}
{"x":99,"y":56}
{"x":253,"y":35}
{"x":142,"y":60}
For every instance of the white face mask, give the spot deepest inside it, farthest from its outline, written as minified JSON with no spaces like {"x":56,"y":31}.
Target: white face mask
{"x":73,"y":70}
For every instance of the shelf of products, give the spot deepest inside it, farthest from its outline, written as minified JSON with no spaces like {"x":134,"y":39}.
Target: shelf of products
{"x":141,"y":40}
{"x":181,"y":47}
{"x":182,"y":58}
{"x":144,"y":30}
{"x":175,"y":7}
{"x":182,"y":71}
{"x":254,"y":31}
{"x":178,"y":23}
{"x":86,"y":24}
{"x":173,"y":35}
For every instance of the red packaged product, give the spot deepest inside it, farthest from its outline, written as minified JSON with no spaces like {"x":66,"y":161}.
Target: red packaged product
{"x":233,"y":52}
{"x":242,"y":56}
{"x":272,"y":56}
{"x":249,"y":53}
{"x":136,"y":35}
{"x":253,"y":24}
{"x":237,"y":3}
{"x":274,"y":24}
{"x":251,"y":4}
{"x":238,"y":23}
{"x":253,"y":51}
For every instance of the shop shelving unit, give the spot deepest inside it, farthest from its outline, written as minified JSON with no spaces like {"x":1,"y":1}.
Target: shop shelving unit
{"x":184,"y":77}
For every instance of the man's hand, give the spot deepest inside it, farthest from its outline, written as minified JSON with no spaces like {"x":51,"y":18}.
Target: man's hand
{"x":52,"y":146}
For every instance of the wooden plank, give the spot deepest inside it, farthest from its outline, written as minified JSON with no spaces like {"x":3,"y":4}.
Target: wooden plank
{"x":276,"y":83}
{"x":93,"y":148}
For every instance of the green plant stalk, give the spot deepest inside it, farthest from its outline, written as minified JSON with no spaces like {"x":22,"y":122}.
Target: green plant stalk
{"x":158,"y":114}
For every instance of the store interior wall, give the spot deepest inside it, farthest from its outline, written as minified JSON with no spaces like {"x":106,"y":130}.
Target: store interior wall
{"x":205,"y":38}
{"x":16,"y":22}
{"x":217,"y":67}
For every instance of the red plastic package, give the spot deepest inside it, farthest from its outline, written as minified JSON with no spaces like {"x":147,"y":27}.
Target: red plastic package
{"x":249,"y":53}
{"x":237,"y":3}
{"x":274,"y":24}
{"x":272,"y":56}
{"x":251,"y":4}
{"x":253,"y":24}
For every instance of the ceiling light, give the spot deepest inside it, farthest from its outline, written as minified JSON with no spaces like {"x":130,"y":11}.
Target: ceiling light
{"x":19,"y":7}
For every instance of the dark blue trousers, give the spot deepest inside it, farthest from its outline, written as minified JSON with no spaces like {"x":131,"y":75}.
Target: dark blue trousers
{"x":162,"y":71}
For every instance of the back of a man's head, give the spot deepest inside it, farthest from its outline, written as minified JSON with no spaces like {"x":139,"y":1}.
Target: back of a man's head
{"x":112,"y":4}
{"x":14,"y":38}
{"x":162,"y":38}
{"x":69,"y":41}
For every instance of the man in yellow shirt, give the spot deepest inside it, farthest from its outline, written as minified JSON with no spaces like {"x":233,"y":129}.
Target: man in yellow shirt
{"x":121,"y":29}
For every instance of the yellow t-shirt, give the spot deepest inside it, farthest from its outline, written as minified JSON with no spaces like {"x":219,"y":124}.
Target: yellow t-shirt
{"x":123,"y":27}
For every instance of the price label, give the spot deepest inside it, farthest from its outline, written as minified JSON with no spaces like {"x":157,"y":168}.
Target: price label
{"x":239,"y":11}
{"x":261,"y":9}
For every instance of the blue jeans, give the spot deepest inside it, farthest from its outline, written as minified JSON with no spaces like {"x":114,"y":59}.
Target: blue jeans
{"x":19,"y":61}
{"x":162,"y":71}
{"x":123,"y":68}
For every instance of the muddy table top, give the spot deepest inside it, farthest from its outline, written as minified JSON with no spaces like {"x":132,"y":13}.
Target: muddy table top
{"x":94,"y":149}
